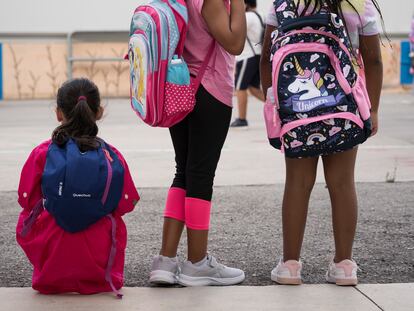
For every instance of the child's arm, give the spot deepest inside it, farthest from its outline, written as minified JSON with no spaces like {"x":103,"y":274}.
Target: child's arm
{"x":371,"y":55}
{"x":30,"y":191}
{"x":265,"y":64}
{"x":228,"y":29}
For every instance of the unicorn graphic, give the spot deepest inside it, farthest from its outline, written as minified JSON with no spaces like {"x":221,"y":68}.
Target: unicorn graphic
{"x":308,"y":81}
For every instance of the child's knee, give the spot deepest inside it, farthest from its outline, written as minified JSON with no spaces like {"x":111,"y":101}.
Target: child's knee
{"x":199,"y":184}
{"x":302,"y":183}
{"x":338,"y":184}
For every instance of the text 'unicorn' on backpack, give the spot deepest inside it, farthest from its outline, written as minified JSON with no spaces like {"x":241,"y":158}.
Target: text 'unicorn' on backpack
{"x":318,"y":103}
{"x":162,"y":90}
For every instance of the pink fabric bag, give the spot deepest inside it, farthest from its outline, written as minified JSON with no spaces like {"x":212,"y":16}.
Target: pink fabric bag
{"x":162,"y":91}
{"x":86,"y":262}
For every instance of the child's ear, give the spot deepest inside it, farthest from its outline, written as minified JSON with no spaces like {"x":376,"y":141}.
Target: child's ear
{"x":100,"y":113}
{"x":59,"y":115}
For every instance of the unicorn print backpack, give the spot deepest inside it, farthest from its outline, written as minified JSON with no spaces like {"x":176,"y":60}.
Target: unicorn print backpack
{"x":162,"y":91}
{"x":318,"y":103}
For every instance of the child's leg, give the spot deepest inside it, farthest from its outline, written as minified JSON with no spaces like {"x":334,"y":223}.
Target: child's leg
{"x":256,"y":92}
{"x":300,"y":178}
{"x":208,"y":128}
{"x":242,"y":97}
{"x":174,"y":210}
{"x":339,"y":175}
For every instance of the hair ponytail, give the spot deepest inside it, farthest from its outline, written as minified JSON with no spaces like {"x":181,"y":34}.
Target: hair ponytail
{"x":80,"y":112}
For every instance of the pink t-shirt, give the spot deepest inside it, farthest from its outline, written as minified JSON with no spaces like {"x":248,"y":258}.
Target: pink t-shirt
{"x":218,"y":79}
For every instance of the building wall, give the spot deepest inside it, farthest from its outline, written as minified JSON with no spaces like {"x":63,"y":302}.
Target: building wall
{"x":35,"y":67}
{"x":35,"y":70}
{"x":57,"y":16}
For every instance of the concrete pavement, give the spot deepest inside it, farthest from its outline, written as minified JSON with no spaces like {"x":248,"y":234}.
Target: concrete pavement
{"x":246,"y":217}
{"x":246,"y":233}
{"x":247,"y":158}
{"x":240,"y":298}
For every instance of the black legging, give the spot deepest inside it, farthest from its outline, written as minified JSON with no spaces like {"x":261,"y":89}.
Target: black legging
{"x":198,"y":141}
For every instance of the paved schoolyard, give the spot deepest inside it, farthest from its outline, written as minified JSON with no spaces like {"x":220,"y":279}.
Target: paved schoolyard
{"x":246,"y":232}
{"x":246,"y":228}
{"x":247,"y":158}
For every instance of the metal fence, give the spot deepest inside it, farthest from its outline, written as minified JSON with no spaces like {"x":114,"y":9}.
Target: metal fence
{"x":92,"y":36}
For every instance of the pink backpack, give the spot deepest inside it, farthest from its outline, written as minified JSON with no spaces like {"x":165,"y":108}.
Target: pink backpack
{"x":162,"y":90}
{"x":318,"y":103}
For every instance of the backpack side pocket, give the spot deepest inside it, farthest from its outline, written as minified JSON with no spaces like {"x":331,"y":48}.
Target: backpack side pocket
{"x":179,"y":93}
{"x":272,"y":120}
{"x":361,"y":97}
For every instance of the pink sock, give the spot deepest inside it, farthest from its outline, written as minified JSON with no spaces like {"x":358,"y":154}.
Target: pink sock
{"x":197,"y":214}
{"x":174,"y":207}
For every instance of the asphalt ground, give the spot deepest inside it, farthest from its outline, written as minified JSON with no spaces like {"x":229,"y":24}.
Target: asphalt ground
{"x":246,"y":233}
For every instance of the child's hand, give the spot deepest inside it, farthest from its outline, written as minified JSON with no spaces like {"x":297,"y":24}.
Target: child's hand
{"x":374,"y":120}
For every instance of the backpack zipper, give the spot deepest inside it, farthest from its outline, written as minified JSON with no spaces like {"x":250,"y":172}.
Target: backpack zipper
{"x":319,"y":32}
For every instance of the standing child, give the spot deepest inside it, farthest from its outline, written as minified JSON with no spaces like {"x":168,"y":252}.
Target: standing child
{"x":74,"y":190}
{"x":248,"y":63}
{"x":320,"y":89}
{"x":198,"y":140}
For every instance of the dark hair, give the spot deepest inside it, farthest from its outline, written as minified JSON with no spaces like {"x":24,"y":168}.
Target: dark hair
{"x":251,"y":3}
{"x":335,"y":6}
{"x":80,"y":102}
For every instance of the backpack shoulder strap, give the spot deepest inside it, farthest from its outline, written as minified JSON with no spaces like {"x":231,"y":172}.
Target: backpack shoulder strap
{"x":262,"y":34}
{"x":251,"y":45}
{"x":204,"y":65}
{"x":259,"y":17}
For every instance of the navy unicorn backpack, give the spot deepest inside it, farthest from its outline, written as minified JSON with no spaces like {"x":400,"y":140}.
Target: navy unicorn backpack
{"x":318,"y":103}
{"x":79,"y":188}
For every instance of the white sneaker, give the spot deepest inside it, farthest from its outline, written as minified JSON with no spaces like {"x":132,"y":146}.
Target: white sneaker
{"x":164,"y":270}
{"x":209,"y":272}
{"x":343,"y":273}
{"x":287,"y":273}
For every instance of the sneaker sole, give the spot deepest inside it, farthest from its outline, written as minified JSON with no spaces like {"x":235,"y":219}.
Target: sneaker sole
{"x":240,"y":128}
{"x":342,"y":282}
{"x":190,"y":281}
{"x":286,"y":281}
{"x":160,"y":277}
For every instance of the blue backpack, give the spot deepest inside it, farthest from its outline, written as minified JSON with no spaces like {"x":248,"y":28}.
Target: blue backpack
{"x":80,"y":188}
